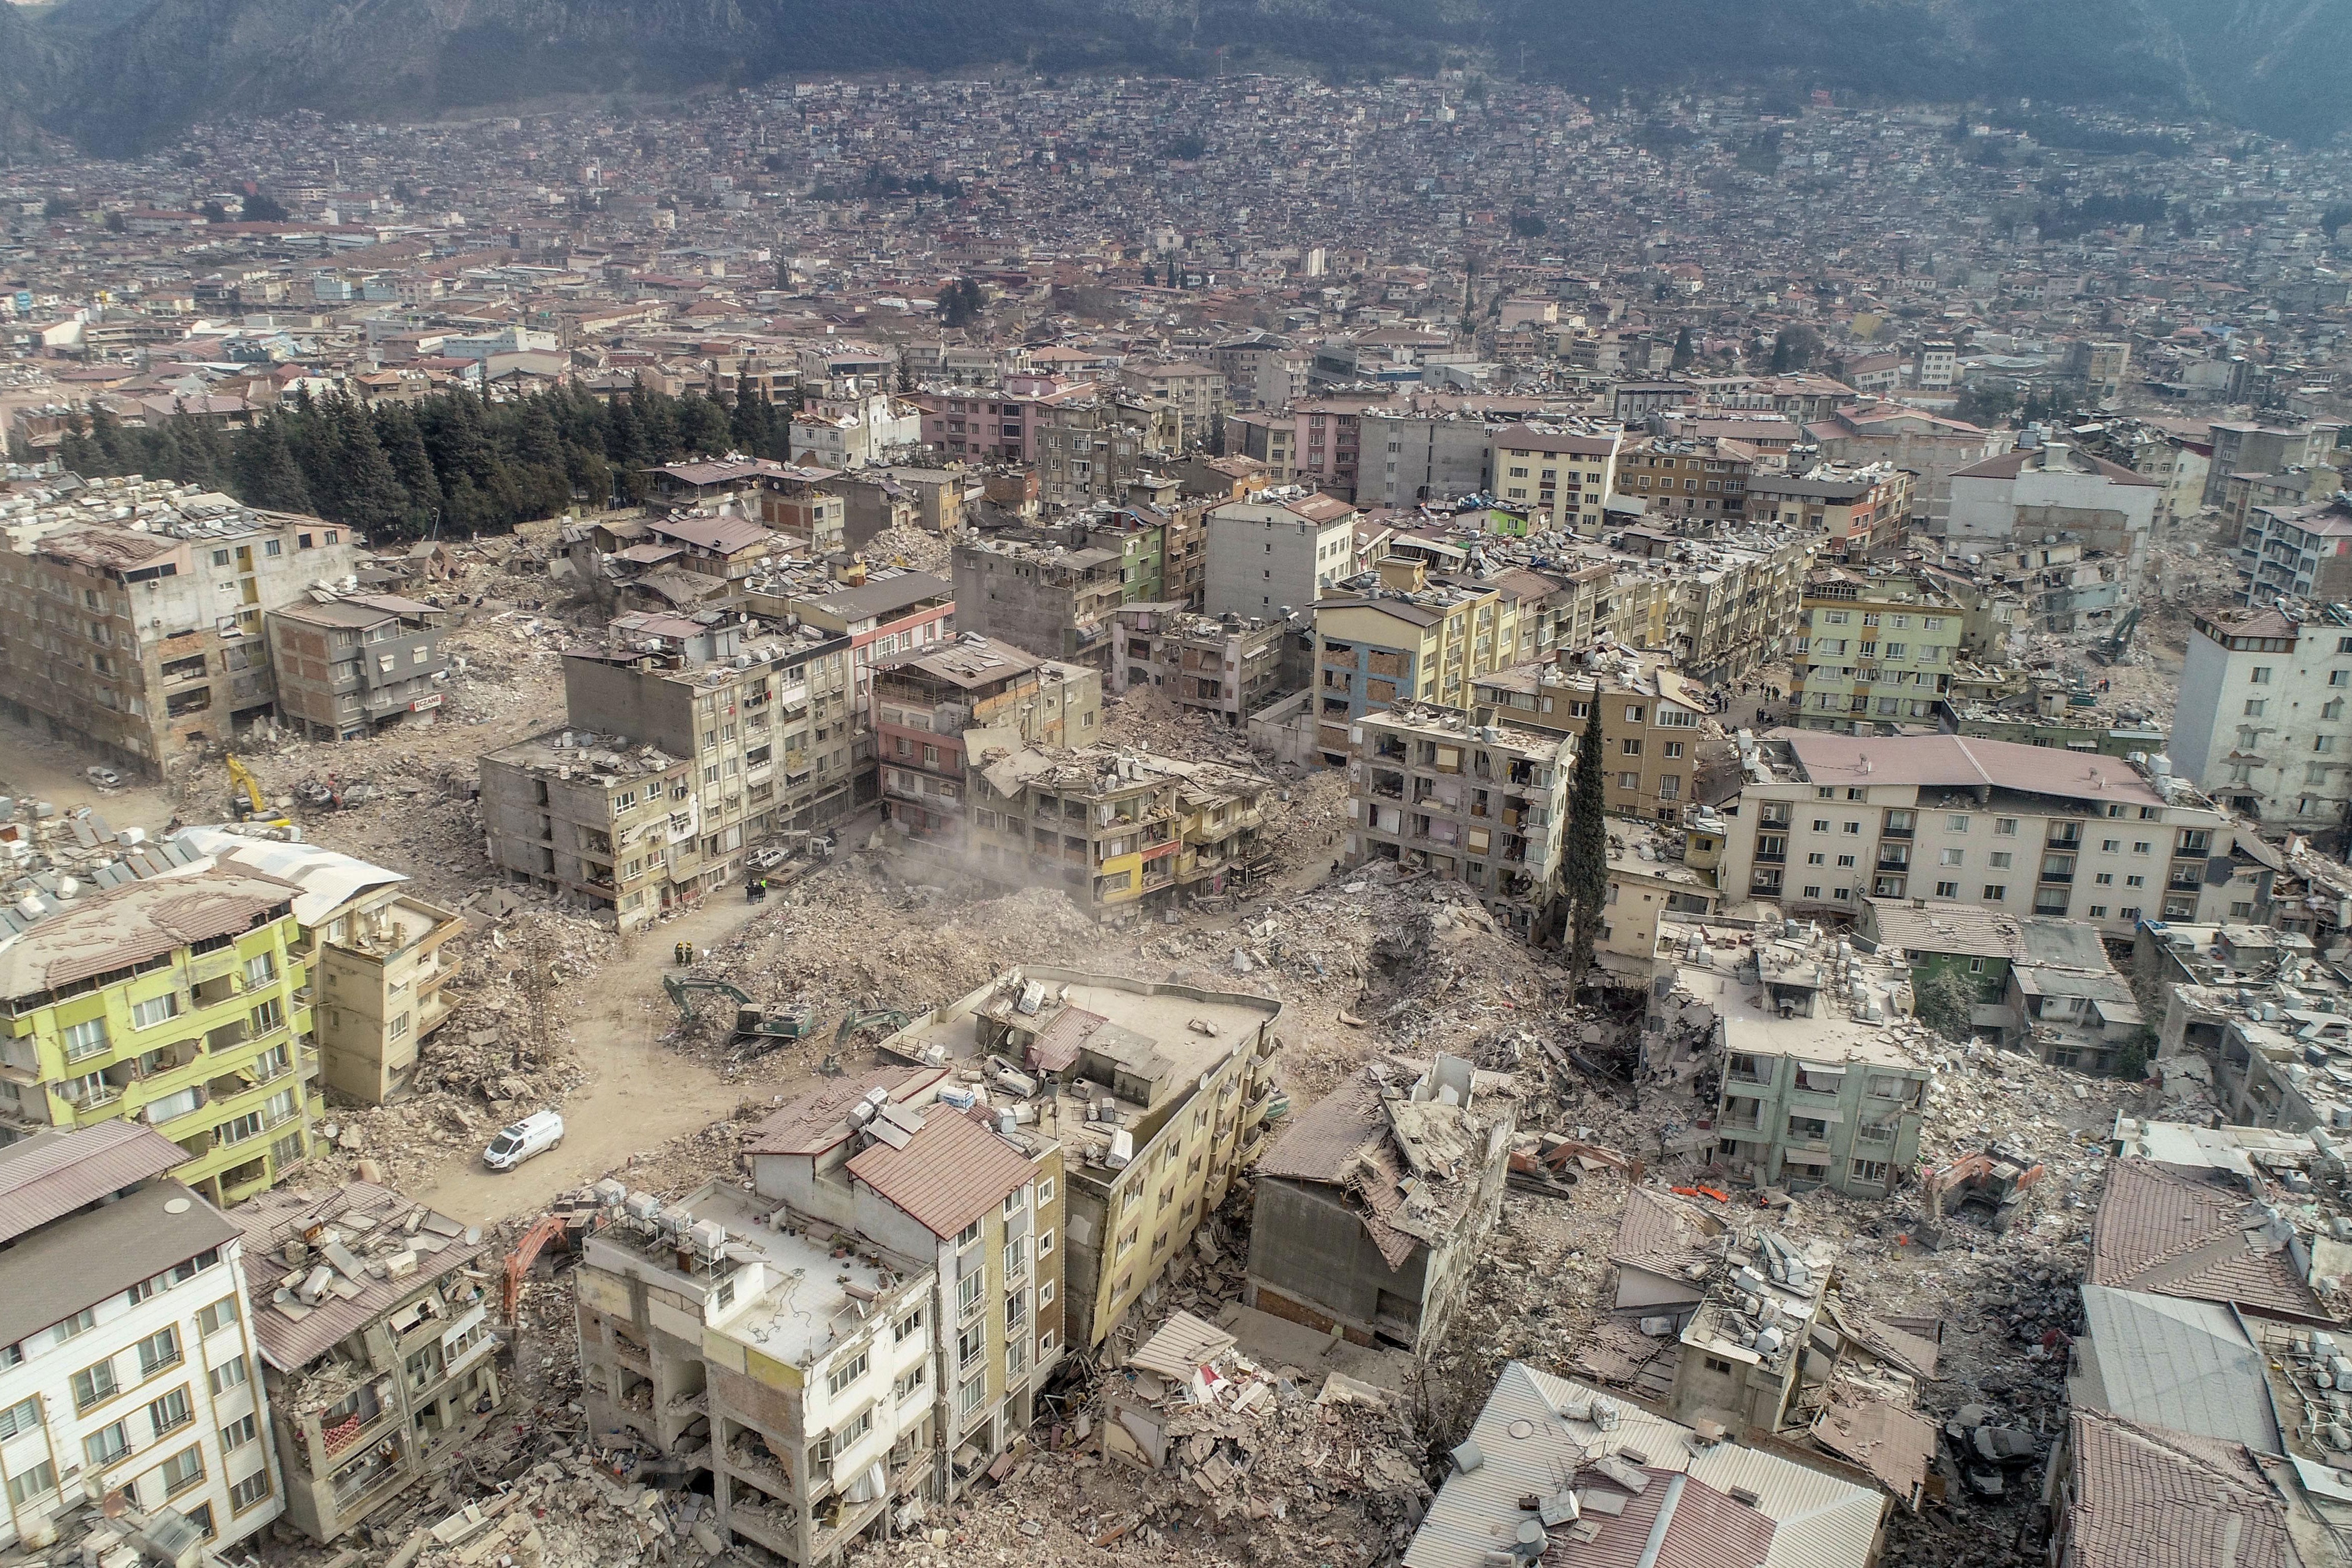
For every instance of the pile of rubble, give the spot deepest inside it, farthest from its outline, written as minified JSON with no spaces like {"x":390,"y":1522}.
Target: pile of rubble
{"x":913,"y":547}
{"x":1190,"y":1449}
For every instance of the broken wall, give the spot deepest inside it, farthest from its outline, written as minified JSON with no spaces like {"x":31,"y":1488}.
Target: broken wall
{"x":1312,"y":1261}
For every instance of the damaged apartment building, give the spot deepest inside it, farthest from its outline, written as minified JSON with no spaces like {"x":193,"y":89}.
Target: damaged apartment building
{"x":1371,"y":1207}
{"x":377,"y":1353}
{"x":380,"y":957}
{"x":1157,"y":1092}
{"x":1227,"y":666}
{"x":855,"y":1336}
{"x":1122,"y":831}
{"x":687,"y":743}
{"x":1485,"y":803}
{"x":127,"y":1385}
{"x":929,"y":705}
{"x":135,"y":613}
{"x":350,"y":664}
{"x":184,"y":1002}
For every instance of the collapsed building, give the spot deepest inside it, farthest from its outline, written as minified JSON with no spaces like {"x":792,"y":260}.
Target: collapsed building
{"x":1371,"y":1207}
{"x":377,"y":1352}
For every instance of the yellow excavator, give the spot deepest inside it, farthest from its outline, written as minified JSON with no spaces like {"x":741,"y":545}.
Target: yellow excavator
{"x":251,"y":807}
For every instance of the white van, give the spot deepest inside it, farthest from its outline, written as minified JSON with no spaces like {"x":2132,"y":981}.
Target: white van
{"x":534,"y":1135}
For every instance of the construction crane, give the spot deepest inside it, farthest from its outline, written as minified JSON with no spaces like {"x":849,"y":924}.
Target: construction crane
{"x":751,"y":1020}
{"x":252,"y":807}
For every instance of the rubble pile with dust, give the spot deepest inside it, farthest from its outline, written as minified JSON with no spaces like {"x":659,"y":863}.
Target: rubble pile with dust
{"x":847,"y":938}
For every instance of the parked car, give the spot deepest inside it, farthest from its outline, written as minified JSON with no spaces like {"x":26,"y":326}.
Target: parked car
{"x":534,"y":1135}
{"x":103,"y":777}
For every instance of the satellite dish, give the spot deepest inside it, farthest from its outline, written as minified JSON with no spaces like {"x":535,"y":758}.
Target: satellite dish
{"x":178,"y":1206}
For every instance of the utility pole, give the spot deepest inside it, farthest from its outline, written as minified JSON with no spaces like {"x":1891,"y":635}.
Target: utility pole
{"x":537,"y":982}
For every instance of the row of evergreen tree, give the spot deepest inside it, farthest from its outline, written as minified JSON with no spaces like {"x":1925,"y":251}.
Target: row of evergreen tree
{"x":467,"y":464}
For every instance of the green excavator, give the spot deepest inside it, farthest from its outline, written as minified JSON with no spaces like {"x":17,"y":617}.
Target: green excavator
{"x":751,"y":1021}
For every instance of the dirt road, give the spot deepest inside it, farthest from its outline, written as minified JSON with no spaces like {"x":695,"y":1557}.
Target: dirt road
{"x":32,"y":764}
{"x":636,"y":1093}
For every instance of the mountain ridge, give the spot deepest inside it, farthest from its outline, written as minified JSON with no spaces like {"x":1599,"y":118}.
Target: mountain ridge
{"x":122,"y":76}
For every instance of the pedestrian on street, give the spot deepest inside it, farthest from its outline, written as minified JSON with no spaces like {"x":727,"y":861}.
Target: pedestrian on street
{"x":677,"y":953}
{"x":689,"y":954}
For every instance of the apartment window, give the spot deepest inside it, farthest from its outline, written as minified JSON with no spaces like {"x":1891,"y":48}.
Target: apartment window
{"x":2004,"y":826}
{"x":172,"y":1412}
{"x":1016,"y":1259}
{"x":107,"y":1443}
{"x":1998,"y":860}
{"x":2255,"y":706}
{"x":1817,"y":859}
{"x":38,"y":1481}
{"x":1632,"y":748}
{"x":158,"y":1350}
{"x":1812,"y":890}
{"x":1948,"y":889}
{"x":1133,"y":1234}
{"x":182,"y":1470}
{"x":154,"y":1010}
{"x":229,"y":1374}
{"x":1045,"y":1192}
{"x":2099,"y":911}
{"x":1873,"y":1172}
{"x":2260,"y":675}
{"x":86,"y":1038}
{"x":1845,"y":860}
{"x":2106,"y":879}
{"x":1995,"y":892}
{"x":2135,"y":881}
{"x":261,"y":969}
{"x":845,"y":1374}
{"x":969,"y":1396}
{"x":21,"y":1416}
{"x":250,"y":1490}
{"x":968,"y":1293}
{"x":1956,"y":825}
{"x":967,"y":1236}
{"x":2127,"y":912}
{"x":94,"y":1385}
{"x":2141,"y":847}
{"x":81,"y":1322}
{"x":237,"y":1433}
{"x":1820,"y":825}
{"x":1046,"y":1295}
{"x":1852,"y":829}
{"x":912,"y":1323}
{"x":1949,"y":857}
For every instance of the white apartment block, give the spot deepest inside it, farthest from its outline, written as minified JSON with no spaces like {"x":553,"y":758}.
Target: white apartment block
{"x":127,"y":1359}
{"x":2262,"y":724}
{"x":1825,"y":821}
{"x":1279,"y":551}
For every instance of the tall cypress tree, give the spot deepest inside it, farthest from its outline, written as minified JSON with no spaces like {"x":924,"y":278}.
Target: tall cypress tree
{"x":1582,"y":889}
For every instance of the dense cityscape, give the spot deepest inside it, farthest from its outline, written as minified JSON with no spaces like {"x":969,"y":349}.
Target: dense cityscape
{"x":1250,"y":819}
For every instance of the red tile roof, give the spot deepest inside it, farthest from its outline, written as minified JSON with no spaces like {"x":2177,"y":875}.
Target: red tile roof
{"x":2172,"y":1235}
{"x":949,"y":1174}
{"x":2146,"y":1497}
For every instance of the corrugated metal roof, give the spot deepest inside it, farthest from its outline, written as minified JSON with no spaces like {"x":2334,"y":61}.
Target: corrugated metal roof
{"x":1180,"y":1346}
{"x":53,"y":1174}
{"x":2173,"y":1362}
{"x":327,"y":878}
{"x":269,"y":1219}
{"x":948,"y":1176}
{"x":1532,"y":1449}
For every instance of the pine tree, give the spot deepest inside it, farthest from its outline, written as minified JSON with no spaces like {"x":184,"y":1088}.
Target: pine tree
{"x":747,"y":422}
{"x":1683,"y":354}
{"x":371,"y":497}
{"x":267,"y":474}
{"x":404,"y":447}
{"x":1581,"y":890}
